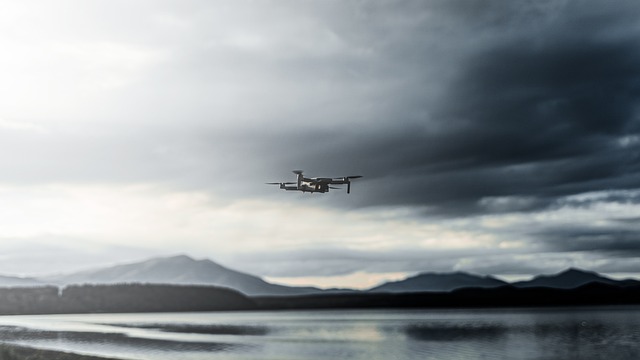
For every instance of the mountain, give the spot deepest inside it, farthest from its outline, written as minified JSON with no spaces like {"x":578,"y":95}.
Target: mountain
{"x":184,"y":270}
{"x":180,"y":270}
{"x":14,"y":281}
{"x":570,"y":279}
{"x":439,"y":282}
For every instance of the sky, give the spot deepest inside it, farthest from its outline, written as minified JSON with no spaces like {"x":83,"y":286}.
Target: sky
{"x":493,"y":137}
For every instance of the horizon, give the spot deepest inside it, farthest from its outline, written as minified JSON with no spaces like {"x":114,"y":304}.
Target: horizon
{"x":363,"y":285}
{"x":492,"y":138}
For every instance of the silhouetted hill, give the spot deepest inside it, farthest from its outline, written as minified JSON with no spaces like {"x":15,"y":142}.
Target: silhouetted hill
{"x":180,"y":283}
{"x":120,"y":298}
{"x":504,"y":296}
{"x":439,"y":282}
{"x":150,"y":298}
{"x":570,"y":279}
{"x":181,"y":270}
{"x":184,"y":270}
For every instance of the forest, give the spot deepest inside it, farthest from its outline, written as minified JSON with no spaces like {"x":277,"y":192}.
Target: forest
{"x":119,"y":298}
{"x":127,"y":298}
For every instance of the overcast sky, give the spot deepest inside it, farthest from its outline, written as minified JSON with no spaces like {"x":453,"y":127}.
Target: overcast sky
{"x":494,"y":137}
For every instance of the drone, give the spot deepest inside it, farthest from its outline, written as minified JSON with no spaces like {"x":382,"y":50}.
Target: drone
{"x":313,"y":185}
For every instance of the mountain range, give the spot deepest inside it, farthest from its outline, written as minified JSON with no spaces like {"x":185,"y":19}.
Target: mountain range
{"x":571,"y":279}
{"x":439,"y":282}
{"x":179,"y":270}
{"x":184,"y":270}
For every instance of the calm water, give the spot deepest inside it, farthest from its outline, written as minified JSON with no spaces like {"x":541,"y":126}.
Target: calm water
{"x":560,"y":333}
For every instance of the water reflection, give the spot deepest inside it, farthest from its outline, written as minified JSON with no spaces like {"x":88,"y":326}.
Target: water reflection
{"x":21,"y":335}
{"x":529,"y":334}
{"x":534,"y":334}
{"x":592,"y":339}
{"x":210,"y":329}
{"x":455,"y":332}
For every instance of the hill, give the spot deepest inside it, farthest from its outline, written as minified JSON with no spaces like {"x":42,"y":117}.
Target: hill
{"x":592,"y":294}
{"x":439,"y":282}
{"x":180,"y":270}
{"x":119,"y":298}
{"x":571,"y":279}
{"x":184,"y":270}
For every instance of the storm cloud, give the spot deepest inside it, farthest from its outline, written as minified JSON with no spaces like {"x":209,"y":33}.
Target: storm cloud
{"x":495,"y":137}
{"x":535,"y":111}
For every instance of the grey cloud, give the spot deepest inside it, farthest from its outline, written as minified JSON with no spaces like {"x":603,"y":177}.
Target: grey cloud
{"x":533,"y":113}
{"x":337,"y":262}
{"x":617,"y":265}
{"x":341,"y":261}
{"x":598,"y":251}
{"x":48,"y":255}
{"x":456,"y":107}
{"x":442,"y":104}
{"x":612,"y":240}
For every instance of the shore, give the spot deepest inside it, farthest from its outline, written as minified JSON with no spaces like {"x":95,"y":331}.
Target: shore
{"x":15,"y":352}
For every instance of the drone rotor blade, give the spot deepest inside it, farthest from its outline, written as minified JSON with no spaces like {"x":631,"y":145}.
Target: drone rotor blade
{"x":298,"y":172}
{"x":354,"y":177}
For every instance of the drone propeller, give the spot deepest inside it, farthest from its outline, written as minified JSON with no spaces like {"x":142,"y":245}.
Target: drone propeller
{"x":354,"y":177}
{"x":298,"y":172}
{"x":280,"y":183}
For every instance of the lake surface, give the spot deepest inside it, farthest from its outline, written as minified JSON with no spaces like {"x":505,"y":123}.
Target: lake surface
{"x":557,"y":333}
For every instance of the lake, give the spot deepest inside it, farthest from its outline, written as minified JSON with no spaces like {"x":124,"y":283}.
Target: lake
{"x":542,"y":333}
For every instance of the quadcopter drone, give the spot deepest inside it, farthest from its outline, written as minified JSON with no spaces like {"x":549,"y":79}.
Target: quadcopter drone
{"x":318,"y":184}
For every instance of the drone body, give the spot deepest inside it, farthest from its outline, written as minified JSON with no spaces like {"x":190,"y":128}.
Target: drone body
{"x":312,"y":185}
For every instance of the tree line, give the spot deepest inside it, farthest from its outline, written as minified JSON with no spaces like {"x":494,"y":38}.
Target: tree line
{"x":119,"y":298}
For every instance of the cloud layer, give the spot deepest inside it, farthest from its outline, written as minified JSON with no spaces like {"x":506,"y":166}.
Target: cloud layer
{"x":489,"y":134}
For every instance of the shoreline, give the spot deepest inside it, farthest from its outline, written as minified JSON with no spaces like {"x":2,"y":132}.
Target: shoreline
{"x":21,"y":352}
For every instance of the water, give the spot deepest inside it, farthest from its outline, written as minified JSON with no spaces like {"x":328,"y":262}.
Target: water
{"x":560,"y":333}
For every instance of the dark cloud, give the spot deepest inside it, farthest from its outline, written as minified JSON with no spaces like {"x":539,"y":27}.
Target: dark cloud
{"x":537,"y":108}
{"x":448,"y":108}
{"x":610,"y":240}
{"x":463,"y":107}
{"x":616,"y":265}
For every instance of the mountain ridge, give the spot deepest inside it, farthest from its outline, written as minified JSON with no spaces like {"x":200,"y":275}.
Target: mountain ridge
{"x":427,"y":281}
{"x":571,"y":278}
{"x":179,"y":270}
{"x":185,"y":270}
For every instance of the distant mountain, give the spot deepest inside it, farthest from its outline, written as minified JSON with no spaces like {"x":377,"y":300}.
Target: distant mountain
{"x":439,"y":282}
{"x":14,"y":281}
{"x":570,"y":279}
{"x":180,"y":270}
{"x":184,"y":270}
